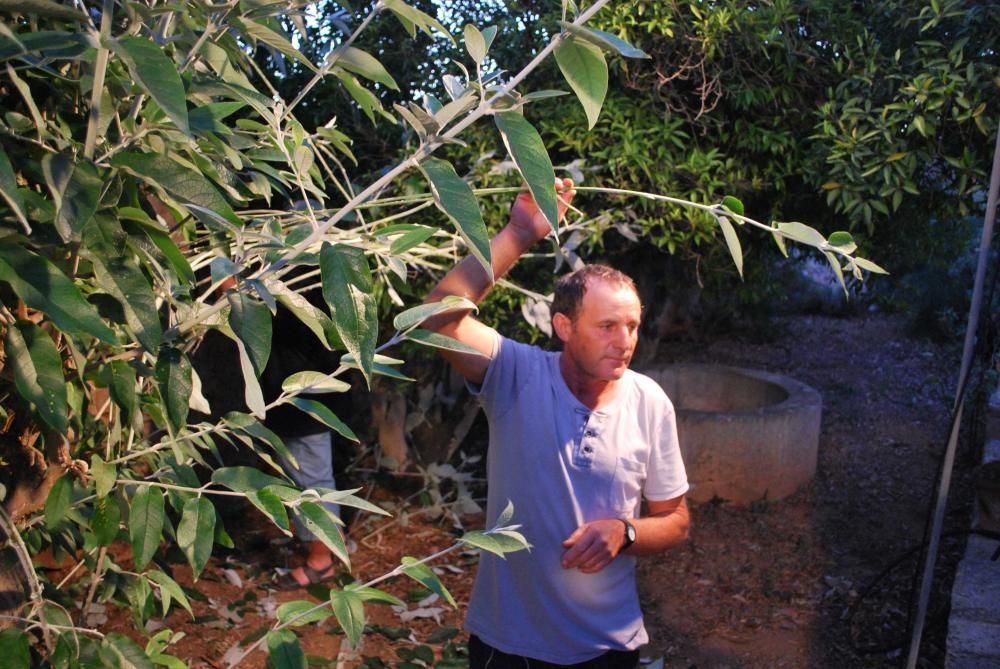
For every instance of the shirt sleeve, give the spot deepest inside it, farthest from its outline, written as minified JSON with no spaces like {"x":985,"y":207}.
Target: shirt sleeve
{"x":666,"y":477}
{"x":512,"y":366}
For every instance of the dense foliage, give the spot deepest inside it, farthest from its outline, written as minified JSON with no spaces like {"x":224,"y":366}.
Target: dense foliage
{"x":158,"y":186}
{"x":877,"y":117}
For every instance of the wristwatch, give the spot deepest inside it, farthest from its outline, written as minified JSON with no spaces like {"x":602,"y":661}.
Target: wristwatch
{"x":629,"y":535}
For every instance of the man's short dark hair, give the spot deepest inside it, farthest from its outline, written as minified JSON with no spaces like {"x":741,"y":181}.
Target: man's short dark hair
{"x":571,"y":287}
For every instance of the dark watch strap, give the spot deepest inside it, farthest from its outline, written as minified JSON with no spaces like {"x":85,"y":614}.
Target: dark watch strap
{"x":629,"y":535}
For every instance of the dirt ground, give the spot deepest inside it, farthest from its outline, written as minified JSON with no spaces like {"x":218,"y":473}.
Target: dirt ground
{"x":792,"y":583}
{"x":779,"y":584}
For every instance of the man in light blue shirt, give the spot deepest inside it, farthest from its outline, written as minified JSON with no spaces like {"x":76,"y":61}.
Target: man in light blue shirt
{"x":576,"y":441}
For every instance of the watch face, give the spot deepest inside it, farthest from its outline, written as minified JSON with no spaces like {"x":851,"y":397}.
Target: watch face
{"x":629,"y":533}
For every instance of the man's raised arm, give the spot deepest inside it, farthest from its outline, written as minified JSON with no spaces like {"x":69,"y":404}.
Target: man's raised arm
{"x":467,"y":279}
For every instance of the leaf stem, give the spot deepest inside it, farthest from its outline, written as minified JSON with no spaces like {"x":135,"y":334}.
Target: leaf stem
{"x":100,"y":70}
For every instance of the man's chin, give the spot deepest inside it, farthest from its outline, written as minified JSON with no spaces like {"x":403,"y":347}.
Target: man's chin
{"x":616,"y":373}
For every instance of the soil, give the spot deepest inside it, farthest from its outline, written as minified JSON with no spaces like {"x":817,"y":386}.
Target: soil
{"x":781,"y":583}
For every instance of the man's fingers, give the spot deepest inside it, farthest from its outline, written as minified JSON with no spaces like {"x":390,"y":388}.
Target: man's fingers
{"x":588,"y":550}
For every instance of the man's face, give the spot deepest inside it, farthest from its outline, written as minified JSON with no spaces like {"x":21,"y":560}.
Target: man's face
{"x":601,"y":339}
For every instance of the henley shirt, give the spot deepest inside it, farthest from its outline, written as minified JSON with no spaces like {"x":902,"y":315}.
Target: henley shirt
{"x":562,"y":464}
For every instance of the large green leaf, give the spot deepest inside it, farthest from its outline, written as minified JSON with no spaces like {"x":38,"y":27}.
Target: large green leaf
{"x":423,"y":575}
{"x":285,"y":650}
{"x":733,"y":204}
{"x":605,"y":40}
{"x":155,"y":72}
{"x":52,"y":43}
{"x":42,"y":8}
{"x":169,"y":589}
{"x":140,"y":599}
{"x":870,"y":266}
{"x":369,"y":594}
{"x":8,"y":189}
{"x":499,"y":542}
{"x":271,"y":506}
{"x":585,"y":70}
{"x":250,"y":320}
{"x":732,"y":242}
{"x":145,"y":524}
{"x":437,"y":340}
{"x":196,"y":533}
{"x":527,"y":150}
{"x":106,"y":520}
{"x":184,"y":184}
{"x":312,"y":317}
{"x":226,"y":67}
{"x":413,"y":236}
{"x":173,"y":378}
{"x":252,"y":393}
{"x":124,"y":281}
{"x":363,"y":63}
{"x":244,"y":479}
{"x":347,"y":289}
{"x":350,"y":611}
{"x":802,"y":233}
{"x":43,"y":287}
{"x":837,"y":269}
{"x":367,"y":100}
{"x":323,"y":414}
{"x":121,"y":385}
{"x":120,"y":652}
{"x":413,"y":18}
{"x":455,"y":198}
{"x":418,"y":314}
{"x":253,"y":427}
{"x":842,"y":242}
{"x":58,"y":502}
{"x":104,"y":474}
{"x":76,"y":188}
{"x":300,"y":612}
{"x":14,"y":649}
{"x":349,"y":498}
{"x":159,"y":236}
{"x":478,"y":43}
{"x":24,"y":89}
{"x":38,"y":373}
{"x":325,"y":525}
{"x":272,"y":38}
{"x":314,"y":383}
{"x":208,"y":118}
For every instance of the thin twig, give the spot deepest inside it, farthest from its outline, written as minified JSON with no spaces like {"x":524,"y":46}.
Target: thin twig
{"x":24,"y":557}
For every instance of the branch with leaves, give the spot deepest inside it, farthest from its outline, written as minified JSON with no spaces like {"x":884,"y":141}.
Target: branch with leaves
{"x":155,"y":188}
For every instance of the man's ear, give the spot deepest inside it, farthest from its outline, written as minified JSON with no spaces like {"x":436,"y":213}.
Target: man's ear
{"x":562,"y":324}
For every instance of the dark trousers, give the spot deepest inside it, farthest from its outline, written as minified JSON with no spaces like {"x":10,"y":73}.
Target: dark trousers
{"x":485,"y":656}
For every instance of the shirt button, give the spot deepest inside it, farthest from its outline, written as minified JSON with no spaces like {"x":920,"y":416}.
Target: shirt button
{"x":588,"y":449}
{"x":590,"y":433}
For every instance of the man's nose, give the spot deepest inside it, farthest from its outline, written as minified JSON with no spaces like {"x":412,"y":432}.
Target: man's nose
{"x":623,"y":337}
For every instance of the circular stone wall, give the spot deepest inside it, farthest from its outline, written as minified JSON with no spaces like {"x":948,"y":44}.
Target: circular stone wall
{"x":745,"y":435}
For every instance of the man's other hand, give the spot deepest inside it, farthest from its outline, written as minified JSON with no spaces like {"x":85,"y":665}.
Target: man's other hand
{"x":594,"y":545}
{"x":527,"y":219}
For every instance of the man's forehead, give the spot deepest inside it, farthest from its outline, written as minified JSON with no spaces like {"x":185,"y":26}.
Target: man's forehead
{"x":603,"y":285}
{"x":601,"y":295}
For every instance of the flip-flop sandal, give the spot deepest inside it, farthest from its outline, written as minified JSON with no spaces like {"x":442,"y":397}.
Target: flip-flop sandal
{"x":286,"y":582}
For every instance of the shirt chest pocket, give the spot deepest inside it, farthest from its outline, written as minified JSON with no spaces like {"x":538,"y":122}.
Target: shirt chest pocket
{"x":626,"y":488}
